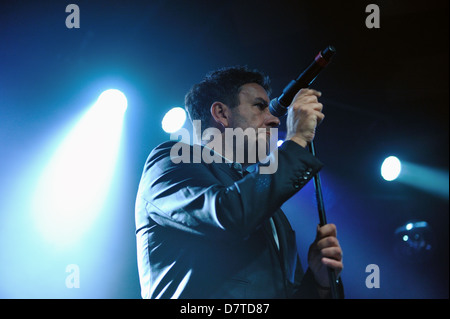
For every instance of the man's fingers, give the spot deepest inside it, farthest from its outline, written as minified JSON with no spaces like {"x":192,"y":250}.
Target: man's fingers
{"x":305,"y":92}
{"x":334,"y":264}
{"x":317,"y":106}
{"x":307,"y":99}
{"x":334,"y":253}
{"x":319,"y":117}
{"x":326,"y":230}
{"x":327,"y":242}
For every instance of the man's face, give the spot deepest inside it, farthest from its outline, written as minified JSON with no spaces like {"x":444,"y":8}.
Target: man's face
{"x":253,"y":113}
{"x":253,"y":109}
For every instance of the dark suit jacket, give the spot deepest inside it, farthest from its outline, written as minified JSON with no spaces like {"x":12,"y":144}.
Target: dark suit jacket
{"x":203,"y":230}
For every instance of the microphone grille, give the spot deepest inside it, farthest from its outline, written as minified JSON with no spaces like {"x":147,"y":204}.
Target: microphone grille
{"x":276,"y":109}
{"x":328,"y":52}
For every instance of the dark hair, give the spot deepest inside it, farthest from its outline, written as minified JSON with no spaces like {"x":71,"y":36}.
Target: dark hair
{"x":222,"y":85}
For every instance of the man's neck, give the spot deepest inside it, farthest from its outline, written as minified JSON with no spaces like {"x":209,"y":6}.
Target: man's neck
{"x":219,"y":148}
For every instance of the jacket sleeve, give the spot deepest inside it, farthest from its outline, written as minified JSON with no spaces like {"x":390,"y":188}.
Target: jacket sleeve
{"x":189,"y":197}
{"x":306,"y":287}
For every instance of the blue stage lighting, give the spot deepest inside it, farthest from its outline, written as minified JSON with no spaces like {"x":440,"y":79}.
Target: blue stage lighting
{"x":73,"y":186}
{"x":391,"y":168}
{"x":174,"y":120}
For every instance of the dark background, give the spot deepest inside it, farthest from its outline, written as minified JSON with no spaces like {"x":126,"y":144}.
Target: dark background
{"x":385,"y":93}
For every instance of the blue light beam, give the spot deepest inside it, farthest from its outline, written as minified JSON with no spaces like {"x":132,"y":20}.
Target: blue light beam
{"x":429,"y":179}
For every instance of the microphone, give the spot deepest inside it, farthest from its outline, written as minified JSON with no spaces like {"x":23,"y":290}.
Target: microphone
{"x":278,"y":106}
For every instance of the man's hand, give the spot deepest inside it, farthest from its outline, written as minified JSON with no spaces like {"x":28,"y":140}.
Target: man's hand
{"x":325,"y":252}
{"x":304,"y":114}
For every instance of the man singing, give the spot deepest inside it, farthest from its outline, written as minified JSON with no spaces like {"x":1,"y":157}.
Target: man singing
{"x":214,"y":229}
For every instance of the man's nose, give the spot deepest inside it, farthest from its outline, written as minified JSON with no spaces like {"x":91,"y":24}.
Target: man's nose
{"x":271,"y":120}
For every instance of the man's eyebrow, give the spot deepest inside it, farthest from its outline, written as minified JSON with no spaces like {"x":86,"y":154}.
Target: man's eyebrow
{"x":260,"y":100}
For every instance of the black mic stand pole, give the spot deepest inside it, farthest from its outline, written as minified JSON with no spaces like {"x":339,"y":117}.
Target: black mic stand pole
{"x":323,"y":221}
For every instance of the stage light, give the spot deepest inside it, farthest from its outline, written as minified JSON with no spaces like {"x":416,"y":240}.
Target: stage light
{"x":414,"y":241}
{"x":279,"y":143}
{"x":174,"y":120}
{"x":113,"y":102}
{"x":391,"y":168}
{"x":73,"y":186}
{"x":429,"y":179}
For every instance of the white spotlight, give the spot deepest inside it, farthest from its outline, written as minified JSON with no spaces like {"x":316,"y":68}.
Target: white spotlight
{"x":74,"y":184}
{"x":174,"y":120}
{"x":391,"y":168}
{"x":112,"y":101}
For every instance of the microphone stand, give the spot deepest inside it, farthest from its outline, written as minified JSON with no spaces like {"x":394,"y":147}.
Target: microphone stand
{"x":323,"y":221}
{"x":278,"y":108}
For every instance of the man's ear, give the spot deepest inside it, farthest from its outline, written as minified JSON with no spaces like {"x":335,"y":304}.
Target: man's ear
{"x":221,"y":114}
